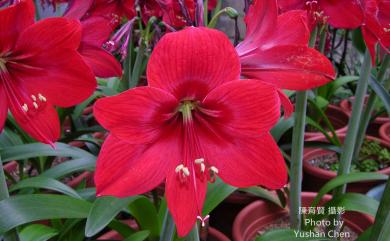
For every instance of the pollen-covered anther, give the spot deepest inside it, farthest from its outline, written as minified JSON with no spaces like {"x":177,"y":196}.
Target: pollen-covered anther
{"x":35,"y":105}
{"x":199,"y":161}
{"x":34,"y":97}
{"x":202,"y":167}
{"x":214,"y":170}
{"x":25,"y":107}
{"x":182,"y":169}
{"x":42,"y":98}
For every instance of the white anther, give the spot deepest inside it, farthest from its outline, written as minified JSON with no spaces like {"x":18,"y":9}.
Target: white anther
{"x":199,"y":161}
{"x":35,"y":105}
{"x":214,"y":169}
{"x":42,"y":98}
{"x":186,"y":172}
{"x":33,"y":97}
{"x":179,"y":168}
{"x":25,"y":107}
{"x":202,"y":167}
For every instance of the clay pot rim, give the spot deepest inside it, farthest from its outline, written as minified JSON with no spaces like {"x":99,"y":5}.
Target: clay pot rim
{"x":345,"y":106}
{"x":238,"y":222}
{"x":329,"y":174}
{"x":341,"y":130}
{"x":382,"y":131}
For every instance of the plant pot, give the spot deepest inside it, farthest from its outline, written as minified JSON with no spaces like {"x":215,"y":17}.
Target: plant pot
{"x":261,"y":213}
{"x":384,"y":132}
{"x":315,"y":177}
{"x":337,"y":117}
{"x":213,"y":235}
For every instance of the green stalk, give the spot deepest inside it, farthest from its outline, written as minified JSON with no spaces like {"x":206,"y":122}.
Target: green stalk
{"x":297,"y":152}
{"x":168,"y":227}
{"x":194,"y":234}
{"x":370,"y":107}
{"x":206,"y":12}
{"x":380,"y":230}
{"x":11,"y":235}
{"x":353,"y":124}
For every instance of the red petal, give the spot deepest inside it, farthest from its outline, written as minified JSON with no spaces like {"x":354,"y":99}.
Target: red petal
{"x":95,"y":31}
{"x":49,"y":34}
{"x":138,"y":115}
{"x":192,"y":62}
{"x":343,"y":13}
{"x":3,"y":107}
{"x":78,"y":8}
{"x":286,"y":103}
{"x":250,"y":161}
{"x":288,"y":5}
{"x":14,"y":20}
{"x":185,"y":201}
{"x":41,"y":123}
{"x":289,"y":67}
{"x":243,"y":107}
{"x":59,"y":74}
{"x":102,"y":63}
{"x":291,"y":28}
{"x":260,"y":21}
{"x":124,"y":170}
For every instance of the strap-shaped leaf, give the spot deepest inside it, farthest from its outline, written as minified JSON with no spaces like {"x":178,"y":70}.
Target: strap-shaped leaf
{"x":344,"y":179}
{"x":216,"y":193}
{"x":22,"y":209}
{"x":38,"y":149}
{"x":46,"y":183}
{"x":37,"y":232}
{"x":381,"y":92}
{"x":103,"y":211}
{"x":69,"y":167}
{"x":285,"y":234}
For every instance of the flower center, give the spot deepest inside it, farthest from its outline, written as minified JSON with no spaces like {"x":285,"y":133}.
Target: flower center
{"x":186,"y":107}
{"x":2,"y":64}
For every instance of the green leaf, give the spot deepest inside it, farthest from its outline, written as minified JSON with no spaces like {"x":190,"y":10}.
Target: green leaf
{"x":122,"y":228}
{"x":146,"y":215}
{"x":69,"y":167}
{"x":37,"y":232}
{"x":381,"y":92}
{"x":78,"y":110}
{"x":281,"y":127}
{"x":339,"y":82}
{"x":261,"y":192}
{"x":103,"y":211}
{"x":216,"y":193}
{"x":9,"y":138}
{"x":138,"y":236}
{"x":22,"y":209}
{"x":46,"y":183}
{"x":38,"y":149}
{"x":380,"y":229}
{"x":283,"y":235}
{"x":355,"y":202}
{"x":344,"y":179}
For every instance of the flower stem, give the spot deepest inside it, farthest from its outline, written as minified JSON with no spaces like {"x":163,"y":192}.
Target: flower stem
{"x":353,"y":125}
{"x":194,"y":234}
{"x":168,"y":227}
{"x":297,"y":152}
{"x":370,"y":107}
{"x":11,"y":235}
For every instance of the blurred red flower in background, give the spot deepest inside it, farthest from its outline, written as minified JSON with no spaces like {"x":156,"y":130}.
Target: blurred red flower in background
{"x":339,"y":13}
{"x":194,"y":121}
{"x":40,"y":67}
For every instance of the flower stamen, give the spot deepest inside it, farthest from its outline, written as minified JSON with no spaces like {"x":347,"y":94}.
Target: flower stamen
{"x":203,"y":220}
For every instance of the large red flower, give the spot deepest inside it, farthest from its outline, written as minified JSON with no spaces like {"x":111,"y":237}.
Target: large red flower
{"x":339,"y":13}
{"x":40,"y":67}
{"x":194,"y":121}
{"x":376,"y":26}
{"x":275,"y":49}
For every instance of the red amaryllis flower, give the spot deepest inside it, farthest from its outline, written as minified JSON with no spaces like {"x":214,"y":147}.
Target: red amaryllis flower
{"x":40,"y":67}
{"x":194,"y":121}
{"x":174,"y":16}
{"x":275,"y":50}
{"x":376,"y":26}
{"x":339,"y":13}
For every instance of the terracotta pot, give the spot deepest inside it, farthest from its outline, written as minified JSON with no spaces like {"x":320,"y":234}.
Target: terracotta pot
{"x":347,"y":106}
{"x":315,"y":177}
{"x":213,"y":235}
{"x":261,"y":213}
{"x":384,"y":132}
{"x":337,"y":117}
